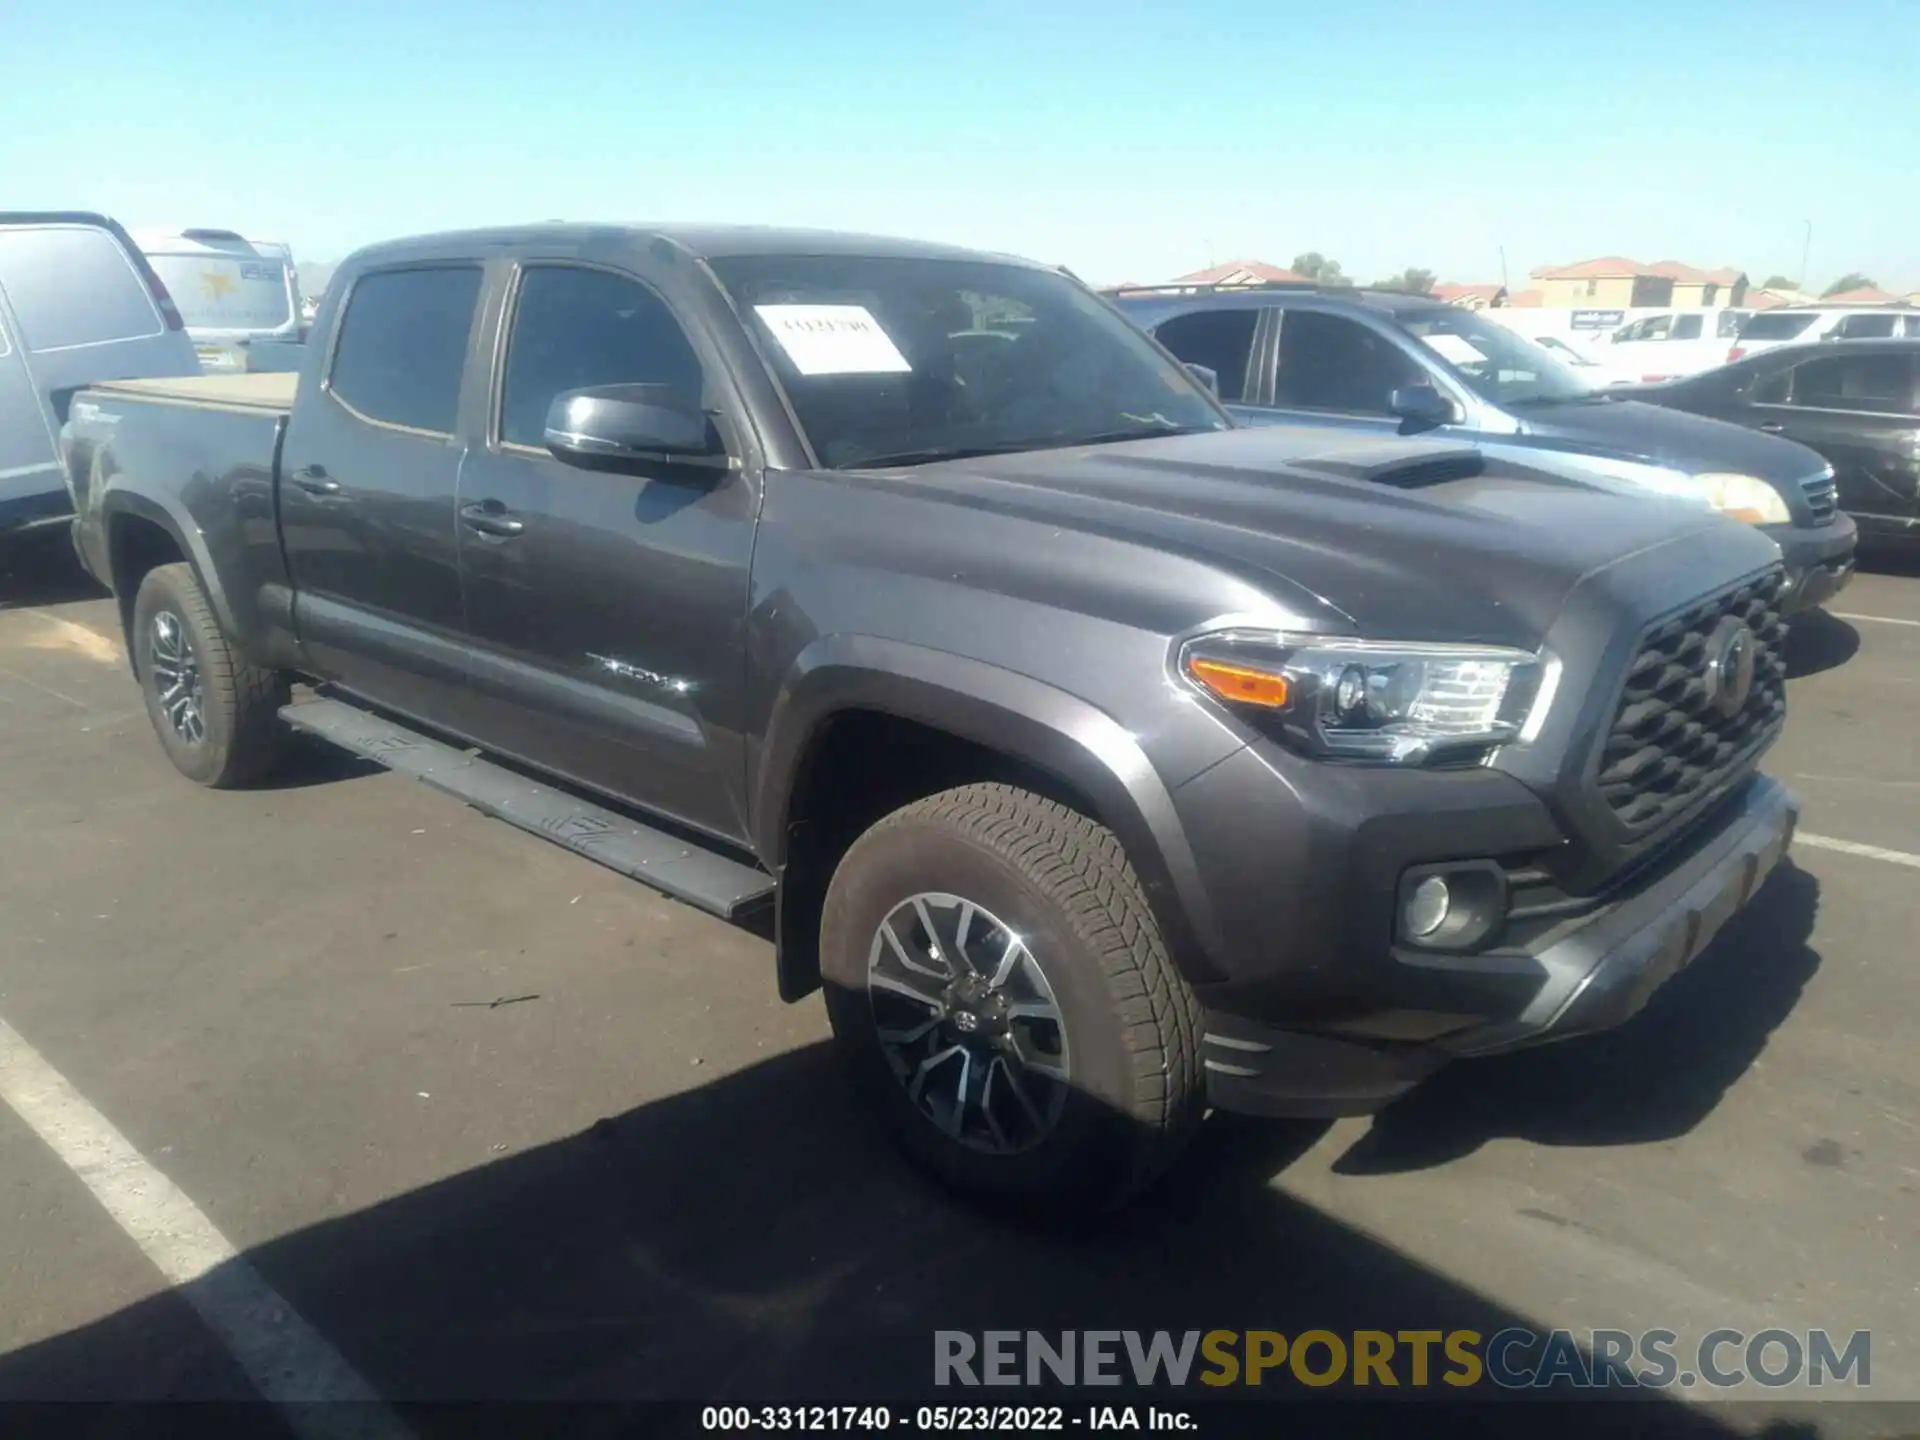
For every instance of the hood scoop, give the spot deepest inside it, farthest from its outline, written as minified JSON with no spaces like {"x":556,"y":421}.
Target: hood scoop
{"x":1402,"y":464}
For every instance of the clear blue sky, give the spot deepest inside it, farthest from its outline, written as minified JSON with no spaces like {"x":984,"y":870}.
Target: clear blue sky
{"x":1131,"y":140}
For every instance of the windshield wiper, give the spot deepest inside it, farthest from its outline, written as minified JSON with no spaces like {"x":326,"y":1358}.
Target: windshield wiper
{"x":1146,"y":430}
{"x":933,"y":454}
{"x":1150,"y":430}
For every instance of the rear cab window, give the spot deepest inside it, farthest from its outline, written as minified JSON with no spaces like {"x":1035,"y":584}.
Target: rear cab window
{"x":402,"y":346}
{"x":1687,"y":327}
{"x":216,"y":291}
{"x":74,"y":285}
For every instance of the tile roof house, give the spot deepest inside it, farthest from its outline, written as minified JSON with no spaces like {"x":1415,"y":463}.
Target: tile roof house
{"x":1613,"y":282}
{"x":1866,"y":295}
{"x":1242,"y":272}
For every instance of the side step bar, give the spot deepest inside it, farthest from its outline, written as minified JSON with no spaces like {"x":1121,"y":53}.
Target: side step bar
{"x":681,"y":868}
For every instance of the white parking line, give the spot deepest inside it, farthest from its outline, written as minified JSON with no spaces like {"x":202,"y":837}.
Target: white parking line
{"x":1854,"y":847}
{"x":287,"y":1360}
{"x":1876,"y":619}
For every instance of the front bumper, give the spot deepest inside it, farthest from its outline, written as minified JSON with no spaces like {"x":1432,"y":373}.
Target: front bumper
{"x":1819,"y":560}
{"x":1593,"y":972}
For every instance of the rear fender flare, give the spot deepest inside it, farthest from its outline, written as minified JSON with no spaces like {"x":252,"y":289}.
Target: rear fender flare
{"x":186,"y":536}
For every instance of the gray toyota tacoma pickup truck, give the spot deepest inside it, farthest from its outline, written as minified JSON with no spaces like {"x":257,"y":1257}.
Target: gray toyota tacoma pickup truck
{"x":1104,"y":760}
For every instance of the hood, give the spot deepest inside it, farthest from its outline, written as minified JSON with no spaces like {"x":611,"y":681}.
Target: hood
{"x":1404,"y":539}
{"x":1679,"y":441}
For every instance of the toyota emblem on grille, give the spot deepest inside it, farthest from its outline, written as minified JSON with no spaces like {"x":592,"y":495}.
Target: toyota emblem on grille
{"x":1730,"y":656}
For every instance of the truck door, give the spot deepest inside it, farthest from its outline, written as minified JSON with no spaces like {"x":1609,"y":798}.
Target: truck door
{"x":607,"y":610}
{"x":368,"y":476}
{"x":1858,"y":410}
{"x":1334,"y":371}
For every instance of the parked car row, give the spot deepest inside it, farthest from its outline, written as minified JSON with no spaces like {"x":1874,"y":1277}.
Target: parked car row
{"x":1384,"y":363}
{"x":1102,"y":758}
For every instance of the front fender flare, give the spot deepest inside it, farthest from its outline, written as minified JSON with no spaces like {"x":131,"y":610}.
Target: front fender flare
{"x":1015,"y":715}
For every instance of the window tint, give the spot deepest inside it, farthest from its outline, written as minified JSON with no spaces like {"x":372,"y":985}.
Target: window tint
{"x":573,"y":328}
{"x":1775,"y":325}
{"x":1855,"y":382}
{"x":1687,"y":327}
{"x":403,"y":343}
{"x":73,"y":285}
{"x":1867,"y":327}
{"x":1328,"y":362}
{"x":1221,"y":340}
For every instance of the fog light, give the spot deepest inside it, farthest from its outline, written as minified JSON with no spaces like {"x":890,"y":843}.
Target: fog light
{"x":1427,"y":907}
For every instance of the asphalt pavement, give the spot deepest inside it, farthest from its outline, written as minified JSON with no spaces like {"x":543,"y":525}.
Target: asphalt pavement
{"x":485,"y":1121}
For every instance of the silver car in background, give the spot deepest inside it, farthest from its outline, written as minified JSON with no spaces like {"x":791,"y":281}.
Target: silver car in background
{"x":78,"y":305}
{"x":234,"y":293}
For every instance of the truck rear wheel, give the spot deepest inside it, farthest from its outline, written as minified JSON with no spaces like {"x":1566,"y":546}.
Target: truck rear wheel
{"x":217,"y":716}
{"x":1002,"y":997}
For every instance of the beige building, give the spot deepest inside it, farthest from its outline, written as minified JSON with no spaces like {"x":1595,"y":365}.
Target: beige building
{"x":1614,"y":282}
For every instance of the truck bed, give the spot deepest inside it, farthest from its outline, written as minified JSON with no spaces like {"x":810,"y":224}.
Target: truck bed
{"x":271,"y":391}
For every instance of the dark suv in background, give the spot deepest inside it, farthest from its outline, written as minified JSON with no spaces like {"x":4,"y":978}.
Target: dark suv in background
{"x":1372,"y":360}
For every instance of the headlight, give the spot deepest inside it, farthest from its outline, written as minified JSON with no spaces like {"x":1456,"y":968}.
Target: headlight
{"x":1744,"y":497}
{"x":1375,"y":700}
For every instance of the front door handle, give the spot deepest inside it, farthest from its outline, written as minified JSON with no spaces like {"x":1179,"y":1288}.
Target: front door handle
{"x":1773,"y":428}
{"x":490,"y":520}
{"x":313,"y":479}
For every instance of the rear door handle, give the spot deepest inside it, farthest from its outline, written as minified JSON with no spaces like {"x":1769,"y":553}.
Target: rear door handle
{"x":313,"y":479}
{"x":490,"y":521}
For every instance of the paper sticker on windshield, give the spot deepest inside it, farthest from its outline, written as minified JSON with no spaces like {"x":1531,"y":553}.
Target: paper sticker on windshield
{"x":833,"y":340}
{"x":1453,"y":348}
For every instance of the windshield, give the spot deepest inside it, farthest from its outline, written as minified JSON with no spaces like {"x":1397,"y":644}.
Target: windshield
{"x":225,"y":292}
{"x":1494,"y":363}
{"x":1775,"y":326}
{"x":888,"y":360}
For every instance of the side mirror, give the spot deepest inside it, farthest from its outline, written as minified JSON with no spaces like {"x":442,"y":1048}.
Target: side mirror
{"x":610,"y":427}
{"x":1422,"y":407}
{"x":1206,"y":375}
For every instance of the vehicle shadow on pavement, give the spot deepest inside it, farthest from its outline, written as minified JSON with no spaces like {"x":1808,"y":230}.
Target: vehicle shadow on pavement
{"x":41,"y":569}
{"x":1818,"y":641}
{"x":751,"y":1240}
{"x":1654,"y":1078}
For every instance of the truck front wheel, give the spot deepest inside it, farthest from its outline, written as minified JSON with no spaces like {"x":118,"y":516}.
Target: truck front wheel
{"x":217,"y":716}
{"x":1002,"y":997}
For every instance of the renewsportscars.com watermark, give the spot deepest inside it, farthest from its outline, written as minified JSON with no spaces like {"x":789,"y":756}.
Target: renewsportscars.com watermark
{"x":1514,"y":1359}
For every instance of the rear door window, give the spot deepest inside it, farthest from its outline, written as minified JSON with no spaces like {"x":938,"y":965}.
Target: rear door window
{"x":1687,"y":327}
{"x":1328,"y":362}
{"x":1867,"y":327}
{"x":72,"y":285}
{"x":1879,"y":383}
{"x":403,"y":346}
{"x":1776,"y":326}
{"x":1221,"y":340}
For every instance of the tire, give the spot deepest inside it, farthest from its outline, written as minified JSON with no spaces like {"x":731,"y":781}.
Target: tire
{"x":239,"y":736}
{"x":1126,"y":1030}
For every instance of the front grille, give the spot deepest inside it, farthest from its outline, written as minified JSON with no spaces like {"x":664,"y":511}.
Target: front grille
{"x":1670,"y":745}
{"x":1823,"y":497}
